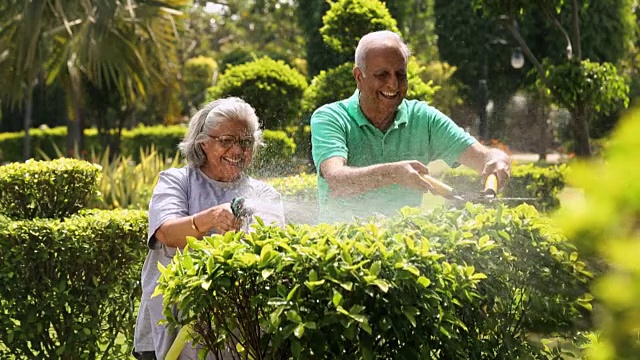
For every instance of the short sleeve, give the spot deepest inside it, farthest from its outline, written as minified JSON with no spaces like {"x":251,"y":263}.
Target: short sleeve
{"x":447,"y":140}
{"x":328,"y":136}
{"x":168,"y":201}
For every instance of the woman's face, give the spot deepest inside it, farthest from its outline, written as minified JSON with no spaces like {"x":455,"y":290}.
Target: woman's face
{"x":229,"y":151}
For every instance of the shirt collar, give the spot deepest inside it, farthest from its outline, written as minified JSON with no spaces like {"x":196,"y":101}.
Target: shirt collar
{"x":361,"y":120}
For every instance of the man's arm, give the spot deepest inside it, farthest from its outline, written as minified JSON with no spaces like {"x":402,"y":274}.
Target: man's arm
{"x":346,"y":180}
{"x":487,"y":161}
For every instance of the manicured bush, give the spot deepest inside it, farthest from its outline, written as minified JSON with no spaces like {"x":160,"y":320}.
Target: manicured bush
{"x":347,"y":21}
{"x":471,"y":283}
{"x":163,"y":140}
{"x":50,"y":142}
{"x":272,"y":87}
{"x":274,"y":159}
{"x":68,"y":288}
{"x":47,"y":189}
{"x":198,"y":76}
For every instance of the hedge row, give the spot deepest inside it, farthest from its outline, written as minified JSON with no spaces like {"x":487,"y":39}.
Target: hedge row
{"x":69,"y":278}
{"x":470,"y":283}
{"x":165,"y":139}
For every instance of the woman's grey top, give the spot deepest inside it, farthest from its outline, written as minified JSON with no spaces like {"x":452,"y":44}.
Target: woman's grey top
{"x":182,"y":192}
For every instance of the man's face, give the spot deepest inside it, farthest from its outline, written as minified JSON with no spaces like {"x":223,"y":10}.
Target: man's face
{"x":383,"y":84}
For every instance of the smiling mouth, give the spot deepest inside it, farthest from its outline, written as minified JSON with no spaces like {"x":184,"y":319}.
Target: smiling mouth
{"x":238,"y":162}
{"x":389,"y":95}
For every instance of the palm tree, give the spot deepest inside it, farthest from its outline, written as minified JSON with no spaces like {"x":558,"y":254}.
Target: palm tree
{"x":122,"y":50}
{"x":23,"y":48}
{"x":121,"y":47}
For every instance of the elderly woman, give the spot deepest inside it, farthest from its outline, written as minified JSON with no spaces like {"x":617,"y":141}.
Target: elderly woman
{"x":196,"y":200}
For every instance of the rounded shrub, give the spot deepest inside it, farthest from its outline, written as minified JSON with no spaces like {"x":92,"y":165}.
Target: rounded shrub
{"x":47,"y":189}
{"x":199,"y":75}
{"x":349,"y":20}
{"x":274,"y":158}
{"x":272,"y":87}
{"x":69,"y":287}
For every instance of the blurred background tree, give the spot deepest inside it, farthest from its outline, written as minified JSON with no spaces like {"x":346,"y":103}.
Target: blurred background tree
{"x":464,"y":49}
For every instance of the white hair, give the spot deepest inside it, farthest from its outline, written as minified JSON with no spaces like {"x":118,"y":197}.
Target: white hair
{"x":208,"y":118}
{"x":372,"y":39}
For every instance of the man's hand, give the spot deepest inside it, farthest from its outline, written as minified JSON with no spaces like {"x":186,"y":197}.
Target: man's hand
{"x":501,"y":167}
{"x":487,"y":161}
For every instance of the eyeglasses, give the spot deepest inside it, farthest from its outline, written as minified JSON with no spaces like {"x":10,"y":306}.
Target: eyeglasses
{"x":227,"y":141}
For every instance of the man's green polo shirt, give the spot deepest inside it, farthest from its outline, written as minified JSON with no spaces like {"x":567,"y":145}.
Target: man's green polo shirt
{"x":419,"y":132}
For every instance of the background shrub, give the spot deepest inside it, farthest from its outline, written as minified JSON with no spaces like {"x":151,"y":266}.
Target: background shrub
{"x":274,"y":159}
{"x":137,"y":142}
{"x":69,"y":288}
{"x":199,"y":74}
{"x":47,"y":189}
{"x":272,"y":87}
{"x":347,"y":21}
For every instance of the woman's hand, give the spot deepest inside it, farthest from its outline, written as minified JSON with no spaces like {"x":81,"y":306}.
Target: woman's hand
{"x":221,"y":219}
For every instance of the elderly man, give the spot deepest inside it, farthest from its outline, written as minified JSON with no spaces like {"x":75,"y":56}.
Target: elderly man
{"x":371,"y":149}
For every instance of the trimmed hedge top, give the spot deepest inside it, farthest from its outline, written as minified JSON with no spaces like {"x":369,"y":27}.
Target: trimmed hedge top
{"x":47,"y":189}
{"x":470,"y":283}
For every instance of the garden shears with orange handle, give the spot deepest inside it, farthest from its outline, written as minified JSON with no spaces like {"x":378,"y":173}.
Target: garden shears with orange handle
{"x":489,"y":194}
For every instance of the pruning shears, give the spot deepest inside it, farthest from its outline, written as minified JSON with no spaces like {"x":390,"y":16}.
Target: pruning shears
{"x":489,"y":193}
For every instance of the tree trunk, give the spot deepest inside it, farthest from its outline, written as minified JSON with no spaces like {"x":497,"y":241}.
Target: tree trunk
{"x":542,"y":113}
{"x":28,"y":121}
{"x":75,"y":124}
{"x":74,"y":134}
{"x":580,"y":130}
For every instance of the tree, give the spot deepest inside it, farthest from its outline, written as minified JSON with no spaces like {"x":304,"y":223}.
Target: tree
{"x":478,"y":48}
{"x":112,"y":55}
{"x":320,"y":56}
{"x":570,"y":31}
{"x":23,"y":49}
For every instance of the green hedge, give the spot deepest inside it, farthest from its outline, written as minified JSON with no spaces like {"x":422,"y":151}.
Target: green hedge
{"x":47,"y":189}
{"x":69,"y":288}
{"x":164,"y":139}
{"x":469,"y":283}
{"x":69,"y":278}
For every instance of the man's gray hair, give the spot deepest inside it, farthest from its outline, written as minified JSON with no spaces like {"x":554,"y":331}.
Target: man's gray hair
{"x":211,"y":116}
{"x":377,"y":38}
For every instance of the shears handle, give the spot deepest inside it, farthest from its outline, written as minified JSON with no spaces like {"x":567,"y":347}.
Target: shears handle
{"x":490,"y":186}
{"x":438,"y":187}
